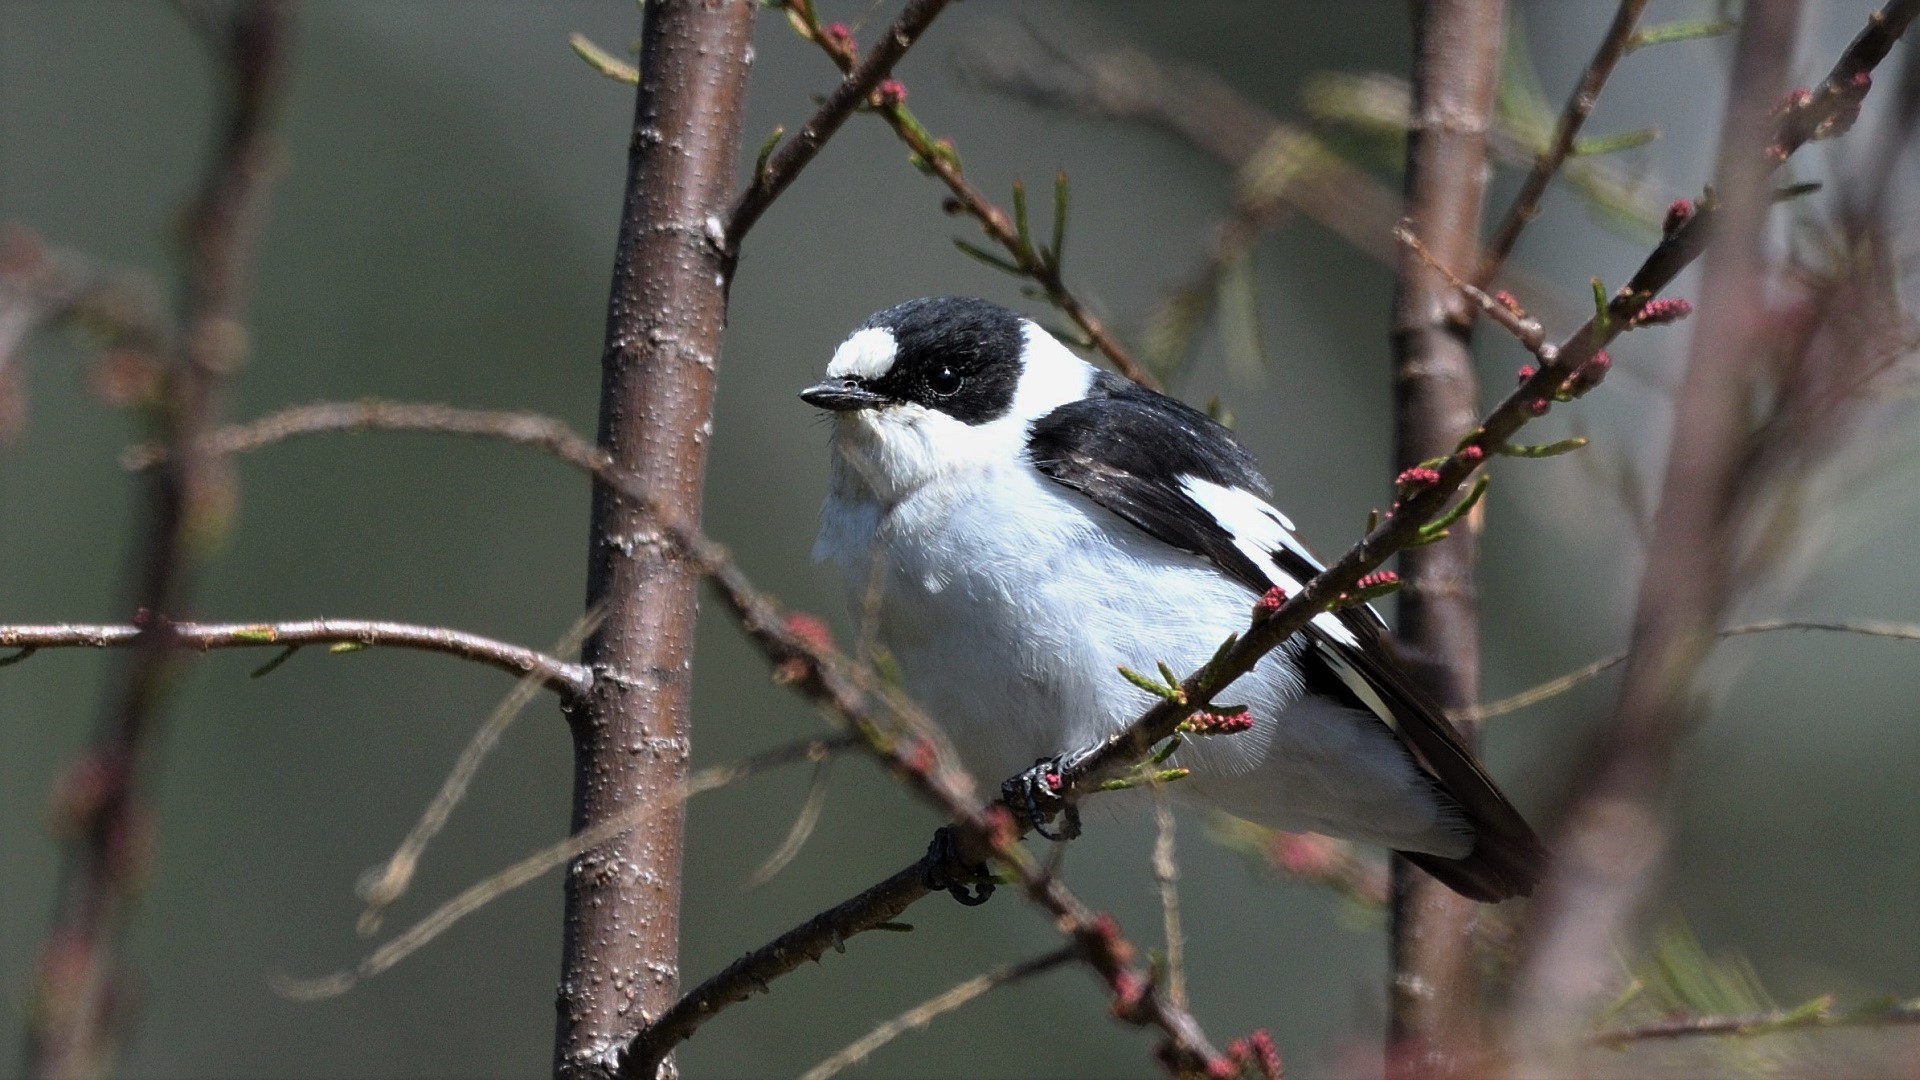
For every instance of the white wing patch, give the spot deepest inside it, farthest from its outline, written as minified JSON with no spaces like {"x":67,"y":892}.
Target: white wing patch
{"x":866,"y":354}
{"x":1258,"y":530}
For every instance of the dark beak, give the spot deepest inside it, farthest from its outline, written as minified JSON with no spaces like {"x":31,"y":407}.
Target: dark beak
{"x":842,"y":395}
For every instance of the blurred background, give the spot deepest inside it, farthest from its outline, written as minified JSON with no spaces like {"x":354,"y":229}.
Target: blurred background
{"x":444,"y":231}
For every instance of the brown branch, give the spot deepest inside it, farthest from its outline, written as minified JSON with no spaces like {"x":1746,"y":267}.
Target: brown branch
{"x":75,"y":1027}
{"x":567,"y":680}
{"x":483,"y":892}
{"x":1560,"y":684}
{"x":933,"y":1008}
{"x":535,"y":430}
{"x":1818,"y":1014}
{"x":937,"y":156}
{"x":1526,"y":204}
{"x":854,"y":91}
{"x":665,"y":313}
{"x":1433,"y":990}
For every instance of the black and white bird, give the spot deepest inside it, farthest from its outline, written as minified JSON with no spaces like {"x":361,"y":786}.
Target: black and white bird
{"x":1018,"y":525}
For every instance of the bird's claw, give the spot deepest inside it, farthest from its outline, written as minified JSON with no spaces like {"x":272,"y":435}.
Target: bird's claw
{"x":1035,"y":796}
{"x":947,"y":870}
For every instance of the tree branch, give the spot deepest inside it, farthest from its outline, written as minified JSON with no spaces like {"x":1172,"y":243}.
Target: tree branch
{"x":938,"y":157}
{"x":1433,"y":992}
{"x":1817,"y":1014}
{"x":665,"y":313}
{"x":854,"y":91}
{"x":567,"y":680}
{"x":73,"y":1032}
{"x":933,"y":1008}
{"x":1526,"y":204}
{"x":1558,"y":685}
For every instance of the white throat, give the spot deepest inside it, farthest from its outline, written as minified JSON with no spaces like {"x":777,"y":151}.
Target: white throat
{"x":885,"y":455}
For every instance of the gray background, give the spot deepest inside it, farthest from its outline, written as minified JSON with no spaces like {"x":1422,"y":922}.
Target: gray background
{"x":444,"y":232}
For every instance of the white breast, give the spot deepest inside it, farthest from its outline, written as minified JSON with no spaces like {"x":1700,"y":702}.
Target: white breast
{"x":1009,"y":602}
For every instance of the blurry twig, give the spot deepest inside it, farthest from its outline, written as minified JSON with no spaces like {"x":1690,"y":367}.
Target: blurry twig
{"x":1554,"y":687}
{"x":73,"y":1029}
{"x":1166,"y":877}
{"x":803,"y":826}
{"x":485,"y":892}
{"x":388,"y":882}
{"x":926,"y":1012}
{"x":1526,"y":204}
{"x":1305,"y":856}
{"x":1818,"y":1013}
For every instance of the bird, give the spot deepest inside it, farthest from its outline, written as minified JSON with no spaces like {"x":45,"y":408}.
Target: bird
{"x":1013,"y":526}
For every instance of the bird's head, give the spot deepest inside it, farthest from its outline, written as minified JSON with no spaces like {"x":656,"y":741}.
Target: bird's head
{"x":939,"y":386}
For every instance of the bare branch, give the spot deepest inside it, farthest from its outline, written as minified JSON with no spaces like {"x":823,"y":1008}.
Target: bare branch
{"x":567,"y":680}
{"x":1818,"y":1013}
{"x":1526,"y":204}
{"x":1615,"y":838}
{"x":380,"y":888}
{"x":937,"y":157}
{"x":482,"y":893}
{"x":854,"y":91}
{"x":803,"y":826}
{"x":1166,"y":878}
{"x":932,"y":1009}
{"x":73,"y":1032}
{"x":1558,"y":685}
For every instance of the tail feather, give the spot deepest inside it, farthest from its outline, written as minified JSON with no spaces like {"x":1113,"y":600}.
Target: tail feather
{"x":1502,"y":865}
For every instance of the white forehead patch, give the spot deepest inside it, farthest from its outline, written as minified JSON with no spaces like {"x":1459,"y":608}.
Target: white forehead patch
{"x":868,"y":354}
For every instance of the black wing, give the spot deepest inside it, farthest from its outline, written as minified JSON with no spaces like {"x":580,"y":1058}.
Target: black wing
{"x":1183,"y":479}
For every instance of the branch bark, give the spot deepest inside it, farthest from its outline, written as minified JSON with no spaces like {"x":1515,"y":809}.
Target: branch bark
{"x":664,"y":319}
{"x":1433,"y":996}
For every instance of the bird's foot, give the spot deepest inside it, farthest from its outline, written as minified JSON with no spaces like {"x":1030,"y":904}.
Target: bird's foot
{"x":1035,"y":796}
{"x":969,"y":883}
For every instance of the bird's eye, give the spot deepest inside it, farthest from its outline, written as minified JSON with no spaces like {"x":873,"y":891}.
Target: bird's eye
{"x":945,"y":381}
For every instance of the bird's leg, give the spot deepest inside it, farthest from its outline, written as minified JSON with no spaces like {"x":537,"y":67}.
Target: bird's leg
{"x":1034,"y":795}
{"x":947,"y":870}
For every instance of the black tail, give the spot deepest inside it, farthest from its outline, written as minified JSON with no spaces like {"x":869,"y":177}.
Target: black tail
{"x":1502,"y":865}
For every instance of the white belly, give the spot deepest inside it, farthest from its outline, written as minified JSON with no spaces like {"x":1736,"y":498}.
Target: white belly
{"x":1009,"y":617}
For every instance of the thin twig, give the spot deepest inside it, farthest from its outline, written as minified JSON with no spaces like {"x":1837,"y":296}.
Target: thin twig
{"x":1771,"y":1022}
{"x":932,"y":1009}
{"x":567,"y":680}
{"x":854,"y":91}
{"x":803,"y":826}
{"x":1554,"y":687}
{"x":389,"y":881}
{"x":1166,"y":878}
{"x":938,"y":157}
{"x":482,"y":893}
{"x":1526,"y":204}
